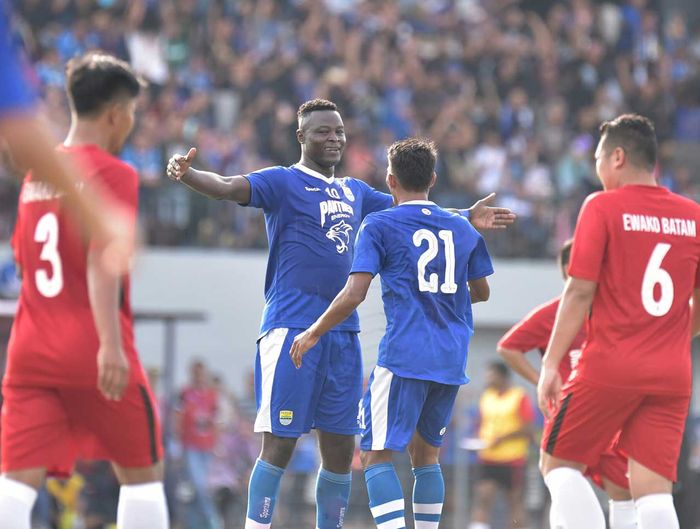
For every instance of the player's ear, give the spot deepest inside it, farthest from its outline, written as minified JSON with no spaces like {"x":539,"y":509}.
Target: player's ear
{"x":391,"y":181}
{"x":619,"y":157}
{"x":300,"y":136}
{"x":432,"y":180}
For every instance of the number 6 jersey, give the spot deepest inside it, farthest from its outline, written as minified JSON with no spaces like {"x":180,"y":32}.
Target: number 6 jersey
{"x":425,"y":256}
{"x":54,"y":341}
{"x":640,"y":244}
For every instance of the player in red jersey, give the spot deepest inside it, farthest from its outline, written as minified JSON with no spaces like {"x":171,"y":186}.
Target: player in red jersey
{"x":634,"y":269}
{"x":533,"y":332}
{"x":74,"y":386}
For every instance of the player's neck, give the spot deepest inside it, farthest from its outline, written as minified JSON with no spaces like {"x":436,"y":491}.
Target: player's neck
{"x":405,"y":196}
{"x":638,"y":178}
{"x":325,"y":171}
{"x":84,"y":132}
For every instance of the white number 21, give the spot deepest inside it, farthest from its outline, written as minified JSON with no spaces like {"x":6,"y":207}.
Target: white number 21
{"x":47,"y":232}
{"x":431,"y":284}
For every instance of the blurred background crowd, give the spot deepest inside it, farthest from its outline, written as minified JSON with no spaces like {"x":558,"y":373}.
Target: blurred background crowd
{"x":512,"y":91}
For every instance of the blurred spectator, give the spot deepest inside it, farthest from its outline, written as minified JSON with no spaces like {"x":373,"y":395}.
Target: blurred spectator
{"x":99,"y":494}
{"x":198,"y":429}
{"x":506,"y":419}
{"x":513,"y":95}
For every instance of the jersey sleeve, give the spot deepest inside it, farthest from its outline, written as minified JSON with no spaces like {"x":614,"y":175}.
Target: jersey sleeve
{"x":697,"y":277}
{"x":267,"y":188}
{"x":373,"y":200}
{"x":480,"y":261}
{"x":532,"y":332}
{"x":590,"y":241}
{"x":16,"y":93}
{"x":369,"y":248}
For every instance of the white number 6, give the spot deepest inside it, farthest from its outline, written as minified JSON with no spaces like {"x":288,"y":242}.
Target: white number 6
{"x":655,"y":275}
{"x":47,"y":232}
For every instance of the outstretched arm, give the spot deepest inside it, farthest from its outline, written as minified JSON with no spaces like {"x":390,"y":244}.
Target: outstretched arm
{"x":212,"y":185}
{"x":347,"y":300}
{"x":485,"y":217}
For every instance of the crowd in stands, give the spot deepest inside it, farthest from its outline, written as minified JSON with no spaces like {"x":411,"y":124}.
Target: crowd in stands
{"x":512,"y":91}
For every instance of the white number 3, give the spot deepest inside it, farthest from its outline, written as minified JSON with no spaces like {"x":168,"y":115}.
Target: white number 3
{"x":47,"y":232}
{"x":655,"y":275}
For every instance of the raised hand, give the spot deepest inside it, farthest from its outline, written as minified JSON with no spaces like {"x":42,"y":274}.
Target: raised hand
{"x":485,"y":217}
{"x":179,"y":164}
{"x":302,"y":343}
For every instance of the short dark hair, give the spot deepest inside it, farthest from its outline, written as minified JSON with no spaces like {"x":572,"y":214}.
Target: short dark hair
{"x":315,"y":104}
{"x":413,"y":162}
{"x":635,"y":135}
{"x":500,"y":368}
{"x":96,"y":79}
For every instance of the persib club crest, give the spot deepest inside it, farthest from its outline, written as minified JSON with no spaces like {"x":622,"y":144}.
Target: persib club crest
{"x":340,"y":234}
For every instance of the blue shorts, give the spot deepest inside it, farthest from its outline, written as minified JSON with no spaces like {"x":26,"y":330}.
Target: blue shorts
{"x":394,"y":408}
{"x":322,"y":394}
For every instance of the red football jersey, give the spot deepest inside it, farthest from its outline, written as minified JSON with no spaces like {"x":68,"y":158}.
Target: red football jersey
{"x":640,"y":244}
{"x":533,"y":332}
{"x":54,"y":340}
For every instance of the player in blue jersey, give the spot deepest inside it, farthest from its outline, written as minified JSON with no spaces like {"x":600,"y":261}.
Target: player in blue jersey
{"x":312,"y":218}
{"x":426,"y":257}
{"x":31,"y":145}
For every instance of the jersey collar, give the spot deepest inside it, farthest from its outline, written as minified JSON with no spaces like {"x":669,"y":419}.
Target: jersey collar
{"x":418,"y":203}
{"x":315,"y":174}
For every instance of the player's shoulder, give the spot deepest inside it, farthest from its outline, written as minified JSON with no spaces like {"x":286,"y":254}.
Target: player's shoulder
{"x":598,"y":198}
{"x":546,"y":309}
{"x":685,"y":204}
{"x":273,"y":170}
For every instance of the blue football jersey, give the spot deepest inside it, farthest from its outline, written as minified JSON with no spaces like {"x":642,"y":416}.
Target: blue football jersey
{"x":311,"y":223}
{"x":16,"y":94}
{"x":425,"y":255}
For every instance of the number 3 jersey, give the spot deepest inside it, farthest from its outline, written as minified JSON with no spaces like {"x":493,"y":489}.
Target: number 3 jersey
{"x":425,"y":255}
{"x":54,"y":341}
{"x":641,"y":245}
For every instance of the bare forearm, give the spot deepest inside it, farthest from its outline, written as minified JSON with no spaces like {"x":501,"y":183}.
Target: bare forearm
{"x":212,"y":185}
{"x":517,"y":362}
{"x":574,"y":307}
{"x":343,"y":305}
{"x":103,"y":290}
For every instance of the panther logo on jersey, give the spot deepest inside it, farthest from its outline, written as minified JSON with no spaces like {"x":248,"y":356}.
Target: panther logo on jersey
{"x":340,"y":234}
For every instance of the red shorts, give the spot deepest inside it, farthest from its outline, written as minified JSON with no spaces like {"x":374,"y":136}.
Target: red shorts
{"x":589,"y":417}
{"x":611,"y":466}
{"x":52,"y":427}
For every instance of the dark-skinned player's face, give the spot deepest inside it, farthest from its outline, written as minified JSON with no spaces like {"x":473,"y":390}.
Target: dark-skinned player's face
{"x":322,"y":137}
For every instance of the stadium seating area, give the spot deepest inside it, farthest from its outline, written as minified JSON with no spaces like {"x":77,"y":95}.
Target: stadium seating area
{"x":512,"y":92}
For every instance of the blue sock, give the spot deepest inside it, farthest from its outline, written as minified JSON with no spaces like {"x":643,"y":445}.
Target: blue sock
{"x":428,"y":496}
{"x":385,"y":495}
{"x":262,"y":493}
{"x":332,"y":497}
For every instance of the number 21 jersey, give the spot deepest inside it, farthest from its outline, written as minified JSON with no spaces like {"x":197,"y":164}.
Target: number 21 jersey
{"x":425,"y":256}
{"x":640,"y":244}
{"x":54,"y":341}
